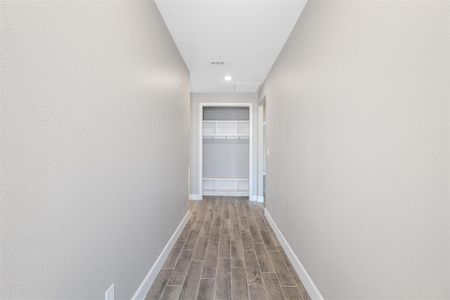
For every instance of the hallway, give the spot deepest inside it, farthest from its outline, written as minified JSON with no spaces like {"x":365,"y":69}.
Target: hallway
{"x":227,"y":251}
{"x":218,"y":149}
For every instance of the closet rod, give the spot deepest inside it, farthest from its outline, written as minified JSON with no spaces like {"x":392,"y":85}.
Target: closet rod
{"x":226,"y":137}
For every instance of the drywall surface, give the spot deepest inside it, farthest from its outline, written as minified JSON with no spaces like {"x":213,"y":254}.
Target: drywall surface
{"x":358,"y":133}
{"x":196,"y":99}
{"x":226,"y":158}
{"x":226,"y":113}
{"x":94,"y":146}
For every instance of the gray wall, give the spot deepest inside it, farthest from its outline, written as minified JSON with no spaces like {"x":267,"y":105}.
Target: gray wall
{"x":94,"y":155}
{"x":358,"y":131}
{"x":196,"y":99}
{"x":226,"y":113}
{"x":225,"y":158}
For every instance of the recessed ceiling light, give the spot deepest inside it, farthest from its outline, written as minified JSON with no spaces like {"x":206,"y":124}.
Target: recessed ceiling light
{"x":228,"y":78}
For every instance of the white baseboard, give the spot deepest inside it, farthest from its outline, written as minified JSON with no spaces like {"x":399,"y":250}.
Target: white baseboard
{"x":146,"y":284}
{"x":195,"y":197}
{"x":229,"y":194}
{"x":259,"y":199}
{"x":226,"y":194}
{"x":310,"y":287}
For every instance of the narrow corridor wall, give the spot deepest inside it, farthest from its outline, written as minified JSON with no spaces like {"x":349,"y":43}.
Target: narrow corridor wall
{"x":358,"y":132}
{"x":94,"y":146}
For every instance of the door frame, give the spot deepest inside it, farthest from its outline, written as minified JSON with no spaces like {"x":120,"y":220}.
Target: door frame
{"x":200,"y":141}
{"x":261,"y":148}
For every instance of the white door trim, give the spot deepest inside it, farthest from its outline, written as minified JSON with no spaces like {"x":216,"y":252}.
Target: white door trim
{"x":259,"y":191}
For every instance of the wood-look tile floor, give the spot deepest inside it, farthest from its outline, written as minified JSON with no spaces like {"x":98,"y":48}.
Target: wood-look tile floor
{"x":227,"y":251}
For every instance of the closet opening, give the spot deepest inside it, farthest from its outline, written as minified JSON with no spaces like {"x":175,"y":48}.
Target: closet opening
{"x":225,"y":149}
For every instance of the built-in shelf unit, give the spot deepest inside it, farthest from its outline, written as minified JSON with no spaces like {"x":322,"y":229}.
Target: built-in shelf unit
{"x":225,"y":186}
{"x":226,"y":128}
{"x":225,"y":143}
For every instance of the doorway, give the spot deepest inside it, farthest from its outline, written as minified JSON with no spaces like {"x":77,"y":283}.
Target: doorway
{"x":225,"y":150}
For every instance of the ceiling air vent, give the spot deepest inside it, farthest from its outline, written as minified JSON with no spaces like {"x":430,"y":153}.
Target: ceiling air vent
{"x":246,"y":87}
{"x":217,"y":63}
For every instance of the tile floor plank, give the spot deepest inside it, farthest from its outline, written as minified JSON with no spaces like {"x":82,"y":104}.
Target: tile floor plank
{"x":209,"y":268}
{"x":246,"y":238}
{"x":206,"y":289}
{"x":252,"y":268}
{"x":260,"y":222}
{"x":291,"y":293}
{"x":171,"y":292}
{"x":274,"y":237}
{"x":270,"y":244}
{"x":281,"y":269}
{"x":213,"y":239}
{"x":237,"y":254}
{"x":254,"y":231}
{"x":225,"y":227}
{"x":223,"y":280}
{"x":272,"y":286}
{"x":190,"y":285}
{"x":224,"y":246}
{"x":239,"y":288}
{"x":234,"y":230}
{"x":294,"y":274}
{"x":216,"y":221}
{"x":200,"y":248}
{"x":205,"y":228}
{"x":226,"y":209}
{"x":226,"y":222}
{"x":303,"y":292}
{"x":173,"y":255}
{"x":243,"y":222}
{"x":158,"y":285}
{"x":257,"y":292}
{"x":198,"y":224}
{"x":265,"y":264}
{"x":192,"y":240}
{"x":179,"y":272}
{"x":187,"y":229}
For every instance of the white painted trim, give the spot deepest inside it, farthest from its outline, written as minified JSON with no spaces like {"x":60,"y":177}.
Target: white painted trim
{"x":146,"y":284}
{"x":260,"y":199}
{"x":226,"y":194}
{"x":200,"y":148}
{"x":250,"y":150}
{"x":195,"y":197}
{"x":253,"y":198}
{"x":310,"y":287}
{"x":260,"y":149}
{"x":200,"y":140}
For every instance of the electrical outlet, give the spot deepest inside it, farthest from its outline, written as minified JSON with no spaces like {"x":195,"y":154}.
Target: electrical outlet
{"x":109,"y":294}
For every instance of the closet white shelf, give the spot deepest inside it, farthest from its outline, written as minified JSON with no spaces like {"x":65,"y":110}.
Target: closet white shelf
{"x":226,"y":137}
{"x":226,"y":129}
{"x":225,"y":186}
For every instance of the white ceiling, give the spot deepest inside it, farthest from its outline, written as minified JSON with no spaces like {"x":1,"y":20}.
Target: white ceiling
{"x":247,"y":35}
